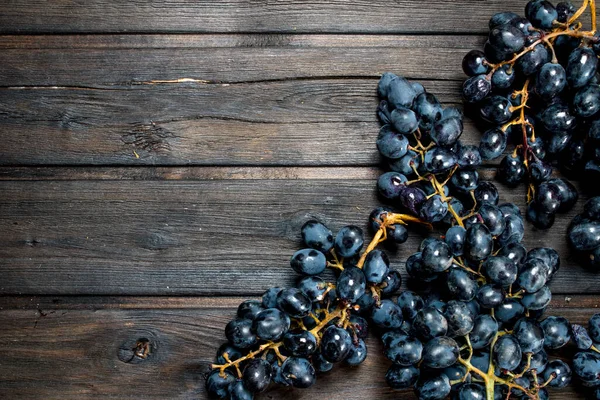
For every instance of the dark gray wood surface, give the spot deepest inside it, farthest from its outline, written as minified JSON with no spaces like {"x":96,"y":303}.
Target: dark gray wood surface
{"x":157,"y":160}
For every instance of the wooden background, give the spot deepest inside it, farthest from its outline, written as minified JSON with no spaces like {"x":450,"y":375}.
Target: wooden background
{"x":157,"y":159}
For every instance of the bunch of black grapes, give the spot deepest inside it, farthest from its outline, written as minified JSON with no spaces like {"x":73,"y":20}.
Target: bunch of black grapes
{"x":477,"y":329}
{"x":433,"y":176}
{"x":292,"y":334}
{"x":535,"y":84}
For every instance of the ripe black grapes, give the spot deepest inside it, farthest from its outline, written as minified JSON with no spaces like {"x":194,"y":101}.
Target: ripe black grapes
{"x":535,"y":84}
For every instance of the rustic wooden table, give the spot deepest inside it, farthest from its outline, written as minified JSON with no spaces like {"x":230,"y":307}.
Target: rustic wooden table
{"x":158,"y":159}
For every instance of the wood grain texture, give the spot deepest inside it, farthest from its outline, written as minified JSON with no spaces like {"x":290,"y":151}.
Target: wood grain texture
{"x":141,"y":59}
{"x":250,"y":16}
{"x":208,"y":99}
{"x":200,"y":237}
{"x":70,"y":352}
{"x":261,"y":123}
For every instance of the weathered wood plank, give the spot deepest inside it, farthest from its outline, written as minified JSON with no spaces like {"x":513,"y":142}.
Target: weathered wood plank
{"x":36,"y":16}
{"x":226,"y":237}
{"x":304,"y":122}
{"x":184,"y":173}
{"x":63,"y":353}
{"x":115,"y":60}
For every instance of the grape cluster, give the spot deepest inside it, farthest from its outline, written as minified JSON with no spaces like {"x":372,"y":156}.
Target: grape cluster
{"x":584,"y":234}
{"x":475,"y":330}
{"x":535,"y":84}
{"x":432,"y":175}
{"x":292,"y":334}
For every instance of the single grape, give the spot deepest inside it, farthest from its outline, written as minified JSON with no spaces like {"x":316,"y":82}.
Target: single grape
{"x":584,"y":236}
{"x":428,"y":109}
{"x":538,"y":300}
{"x":217,"y":384}
{"x":404,"y":350}
{"x":349,"y":241}
{"x":387,"y":315}
{"x":581,"y":337}
{"x":486,"y":193}
{"x":507,"y":352}
{"x":410,"y":303}
{"x":439,"y":159}
{"x":412,"y":198}
{"x":434,"y":209}
{"x":465,"y":180}
{"x":503,"y":77}
{"x":462,"y":285}
{"x":398,"y":377}
{"x":405,"y":164}
{"x":533,"y":275}
{"x":271,"y":324}
{"x":460,"y":320}
{"x":509,"y":312}
{"x":514,"y":230}
{"x":474,"y":63}
{"x":500,"y":270}
{"x":249,"y":309}
{"x":511,"y":170}
{"x":586,"y":366}
{"x":404,"y":120}
{"x":384,"y":83}
{"x":446,"y":132}
{"x":317,"y":236}
{"x":300,"y":344}
{"x":430,"y":323}
{"x":493,"y":143}
{"x":476,"y":88}
{"x":269,"y":298}
{"x":437,"y":255}
{"x":308,"y":262}
{"x":376,"y":267}
{"x":391,"y":283}
{"x":561,"y":372}
{"x":391,"y":144}
{"x":531,"y":62}
{"x":469,"y":156}
{"x":335,"y":344}
{"x":400,"y":93}
{"x":514,"y":252}
{"x":358,"y":353}
{"x":239,"y":333}
{"x":471,"y":391}
{"x":490,"y":296}
{"x":484,"y":330}
{"x":496,"y":109}
{"x":440,"y":352}
{"x":294,"y":302}
{"x":257,"y":375}
{"x":237,"y":391}
{"x":313,"y":287}
{"x":586,"y":102}
{"x":551,"y":80}
{"x":529,"y":334}
{"x":541,"y":13}
{"x":557,"y":332}
{"x":581,"y":67}
{"x":594,"y":327}
{"x":478,"y":243}
{"x":502,"y":19}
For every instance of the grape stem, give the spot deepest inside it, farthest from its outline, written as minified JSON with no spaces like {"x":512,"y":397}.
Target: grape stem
{"x":386,"y":221}
{"x":490,"y":379}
